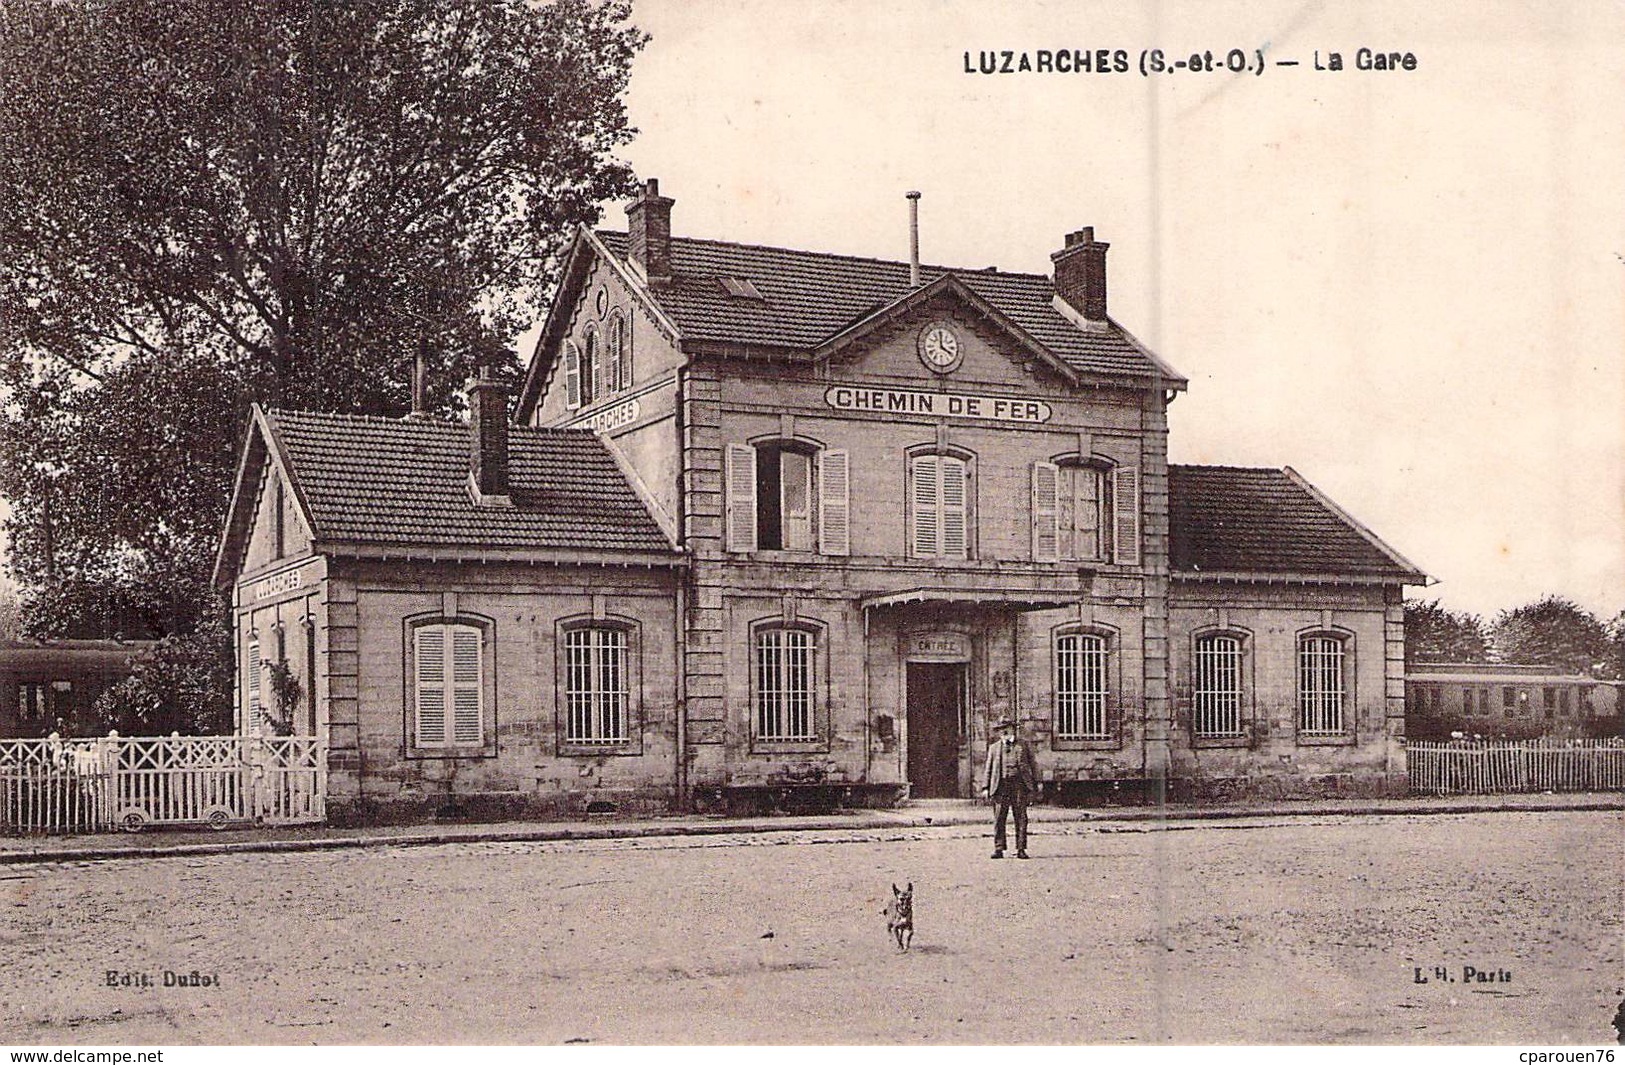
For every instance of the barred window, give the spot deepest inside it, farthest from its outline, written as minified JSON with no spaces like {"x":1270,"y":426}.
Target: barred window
{"x":1321,"y":687}
{"x":1217,"y":691}
{"x":1080,"y":687}
{"x":595,"y":686}
{"x":786,"y":663}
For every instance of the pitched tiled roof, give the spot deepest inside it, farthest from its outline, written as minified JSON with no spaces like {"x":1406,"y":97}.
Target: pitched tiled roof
{"x":808,"y":297}
{"x":377,"y":481}
{"x":1226,"y":519}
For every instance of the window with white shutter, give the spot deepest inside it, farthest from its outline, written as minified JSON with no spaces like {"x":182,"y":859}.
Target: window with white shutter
{"x":620,"y":353}
{"x":253,"y":710}
{"x":939,"y":501}
{"x":572,"y":375}
{"x":740,"y":489}
{"x":1046,"y":480}
{"x":448,"y":685}
{"x":1126,"y":515}
{"x":592,"y":371}
{"x":834,"y":503}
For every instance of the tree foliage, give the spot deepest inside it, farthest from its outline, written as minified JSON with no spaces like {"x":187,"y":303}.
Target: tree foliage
{"x":215,"y":202}
{"x":1555,"y":632}
{"x":1434,"y":633}
{"x":184,"y":686}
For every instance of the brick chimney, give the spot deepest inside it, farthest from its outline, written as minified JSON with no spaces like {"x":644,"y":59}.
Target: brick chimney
{"x":488,"y":431}
{"x":1080,"y":273}
{"x":648,"y":220}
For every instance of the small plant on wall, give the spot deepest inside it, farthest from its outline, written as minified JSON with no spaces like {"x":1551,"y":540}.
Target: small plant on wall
{"x":286,"y":694}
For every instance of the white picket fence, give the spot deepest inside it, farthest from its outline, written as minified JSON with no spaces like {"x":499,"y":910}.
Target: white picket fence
{"x":57,"y":785}
{"x":1480,"y":767}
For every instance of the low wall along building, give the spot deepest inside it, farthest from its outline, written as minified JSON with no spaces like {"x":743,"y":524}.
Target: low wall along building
{"x":775,"y":526}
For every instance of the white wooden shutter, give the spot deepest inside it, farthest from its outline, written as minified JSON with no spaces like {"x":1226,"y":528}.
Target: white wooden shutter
{"x":1126,"y":515}
{"x":954,"y":509}
{"x":1046,"y":508}
{"x":253,"y":713}
{"x":572,"y":376}
{"x":429,"y":654}
{"x":834,"y":503}
{"x":927,"y":532}
{"x":740,"y":487}
{"x":467,"y":725}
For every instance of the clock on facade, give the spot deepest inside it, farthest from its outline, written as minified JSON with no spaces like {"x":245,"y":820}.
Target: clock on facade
{"x":939,"y":347}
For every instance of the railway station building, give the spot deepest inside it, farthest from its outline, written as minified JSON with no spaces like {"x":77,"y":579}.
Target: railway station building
{"x":766,"y":526}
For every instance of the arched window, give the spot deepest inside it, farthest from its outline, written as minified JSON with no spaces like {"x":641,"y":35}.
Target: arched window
{"x":449,"y":684}
{"x":788,"y":495}
{"x":591,"y":369}
{"x":597,"y":690}
{"x":1323,"y":686}
{"x":620,"y":354}
{"x":1084,"y":510}
{"x":1216,"y":688}
{"x":941,"y":508}
{"x":785,"y":667}
{"x":1082,"y":686}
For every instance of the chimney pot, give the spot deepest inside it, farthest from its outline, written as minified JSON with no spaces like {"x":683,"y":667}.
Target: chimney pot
{"x":648,"y":222}
{"x":1080,"y":273}
{"x":488,"y":432}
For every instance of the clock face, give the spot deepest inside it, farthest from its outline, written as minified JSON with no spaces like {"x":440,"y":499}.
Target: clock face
{"x":939,"y":347}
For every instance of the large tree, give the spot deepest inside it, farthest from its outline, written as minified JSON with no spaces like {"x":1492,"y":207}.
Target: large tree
{"x":1434,"y":633}
{"x":211,"y":202}
{"x":1555,"y":632}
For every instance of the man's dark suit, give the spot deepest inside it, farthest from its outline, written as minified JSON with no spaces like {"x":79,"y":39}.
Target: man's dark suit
{"x":1011,"y":779}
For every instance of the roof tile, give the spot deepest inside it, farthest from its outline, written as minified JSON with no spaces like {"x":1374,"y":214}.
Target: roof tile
{"x":808,"y":297}
{"x":382,"y":481}
{"x":1232,"y":519}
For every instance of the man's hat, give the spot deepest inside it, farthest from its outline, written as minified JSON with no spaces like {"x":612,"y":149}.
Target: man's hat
{"x":1004,"y":723}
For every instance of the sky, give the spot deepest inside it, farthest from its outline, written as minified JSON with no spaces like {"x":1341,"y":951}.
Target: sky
{"x":1408,"y":285}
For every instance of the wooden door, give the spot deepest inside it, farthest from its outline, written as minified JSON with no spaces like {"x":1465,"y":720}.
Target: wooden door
{"x":935,"y":692}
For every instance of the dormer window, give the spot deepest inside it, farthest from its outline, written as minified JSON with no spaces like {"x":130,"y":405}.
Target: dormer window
{"x":741,"y":288}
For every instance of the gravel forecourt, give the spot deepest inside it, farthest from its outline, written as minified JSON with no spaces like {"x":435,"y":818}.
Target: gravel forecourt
{"x":1266,"y":930}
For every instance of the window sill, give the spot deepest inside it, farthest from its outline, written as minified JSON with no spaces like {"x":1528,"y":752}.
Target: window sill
{"x":431,"y":753}
{"x":1340,"y":740}
{"x":580,"y":749}
{"x":1103,"y":743}
{"x":1221,"y":741}
{"x":760,"y":746}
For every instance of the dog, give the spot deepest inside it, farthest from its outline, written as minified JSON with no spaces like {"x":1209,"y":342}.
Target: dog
{"x":900,"y":915}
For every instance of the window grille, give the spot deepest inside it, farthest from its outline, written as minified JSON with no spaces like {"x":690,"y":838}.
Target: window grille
{"x":595,"y":686}
{"x":785,"y":667}
{"x":1320,"y":686}
{"x":1080,"y":687}
{"x":1218,"y":687}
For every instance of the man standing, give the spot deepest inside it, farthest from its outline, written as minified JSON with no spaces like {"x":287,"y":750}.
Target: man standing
{"x":1010,"y":781}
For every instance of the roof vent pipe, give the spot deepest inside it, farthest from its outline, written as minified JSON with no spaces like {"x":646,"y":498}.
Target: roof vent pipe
{"x":913,"y":239}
